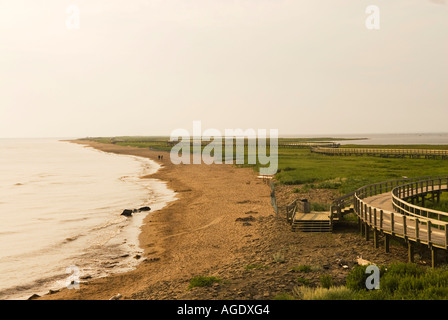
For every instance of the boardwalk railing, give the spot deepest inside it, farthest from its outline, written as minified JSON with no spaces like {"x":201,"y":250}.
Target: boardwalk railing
{"x":340,"y":203}
{"x":402,"y":194}
{"x":370,"y":190}
{"x":291,"y":210}
{"x":417,"y":153}
{"x":420,"y":229}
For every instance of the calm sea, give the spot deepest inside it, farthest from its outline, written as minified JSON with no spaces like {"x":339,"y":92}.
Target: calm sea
{"x":394,"y":139}
{"x":60,"y":206}
{"x":385,"y":139}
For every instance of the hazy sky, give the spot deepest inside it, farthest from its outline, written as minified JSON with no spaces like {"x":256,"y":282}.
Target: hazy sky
{"x":138,"y":67}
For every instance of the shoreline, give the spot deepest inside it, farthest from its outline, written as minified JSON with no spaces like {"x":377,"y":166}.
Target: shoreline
{"x":163,"y":228}
{"x":121,"y":248}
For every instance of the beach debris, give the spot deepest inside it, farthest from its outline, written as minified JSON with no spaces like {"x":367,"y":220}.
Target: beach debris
{"x":116,"y":297}
{"x":52,"y":291}
{"x":341,"y":262}
{"x":249,"y":212}
{"x":137,"y":256}
{"x":185,"y":190}
{"x":154,"y":259}
{"x":245,"y":219}
{"x":362,"y":262}
{"x":127,"y":213}
{"x":34,"y":296}
{"x":144,"y":209}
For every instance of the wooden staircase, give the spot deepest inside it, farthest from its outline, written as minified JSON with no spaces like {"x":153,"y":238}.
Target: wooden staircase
{"x":312,"y":222}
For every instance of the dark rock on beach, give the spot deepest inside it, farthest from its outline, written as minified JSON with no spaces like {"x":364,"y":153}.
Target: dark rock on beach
{"x":245,"y":219}
{"x":144,"y":209}
{"x":127,"y":213}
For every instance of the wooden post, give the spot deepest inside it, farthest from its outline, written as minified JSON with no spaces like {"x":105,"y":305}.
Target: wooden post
{"x":360,"y":225}
{"x":404,"y":227}
{"x":386,"y":243}
{"x":375,"y":238}
{"x":381,"y":219}
{"x":392,"y":222}
{"x":367,"y":231}
{"x":417,"y":229}
{"x":433,"y":257}
{"x":410,"y":252}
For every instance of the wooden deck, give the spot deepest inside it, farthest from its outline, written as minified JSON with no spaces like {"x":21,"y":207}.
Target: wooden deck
{"x":313,"y":216}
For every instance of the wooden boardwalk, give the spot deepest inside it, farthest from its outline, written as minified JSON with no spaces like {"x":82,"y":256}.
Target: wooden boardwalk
{"x":391,"y":222}
{"x":398,"y":153}
{"x":389,"y":208}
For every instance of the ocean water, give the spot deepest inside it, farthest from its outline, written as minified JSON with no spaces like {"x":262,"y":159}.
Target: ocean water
{"x":396,"y":139}
{"x":60,"y":213}
{"x":385,"y":138}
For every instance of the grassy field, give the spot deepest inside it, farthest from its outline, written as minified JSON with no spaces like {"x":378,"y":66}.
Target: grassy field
{"x":347,"y":173}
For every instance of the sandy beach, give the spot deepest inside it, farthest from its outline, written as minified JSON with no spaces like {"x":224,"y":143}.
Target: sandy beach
{"x":195,"y":235}
{"x":222,"y":223}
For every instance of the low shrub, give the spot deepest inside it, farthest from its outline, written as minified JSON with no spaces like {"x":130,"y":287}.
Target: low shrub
{"x":326,"y":281}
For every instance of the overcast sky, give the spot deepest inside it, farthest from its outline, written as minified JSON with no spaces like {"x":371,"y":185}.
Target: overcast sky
{"x":138,"y":67}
